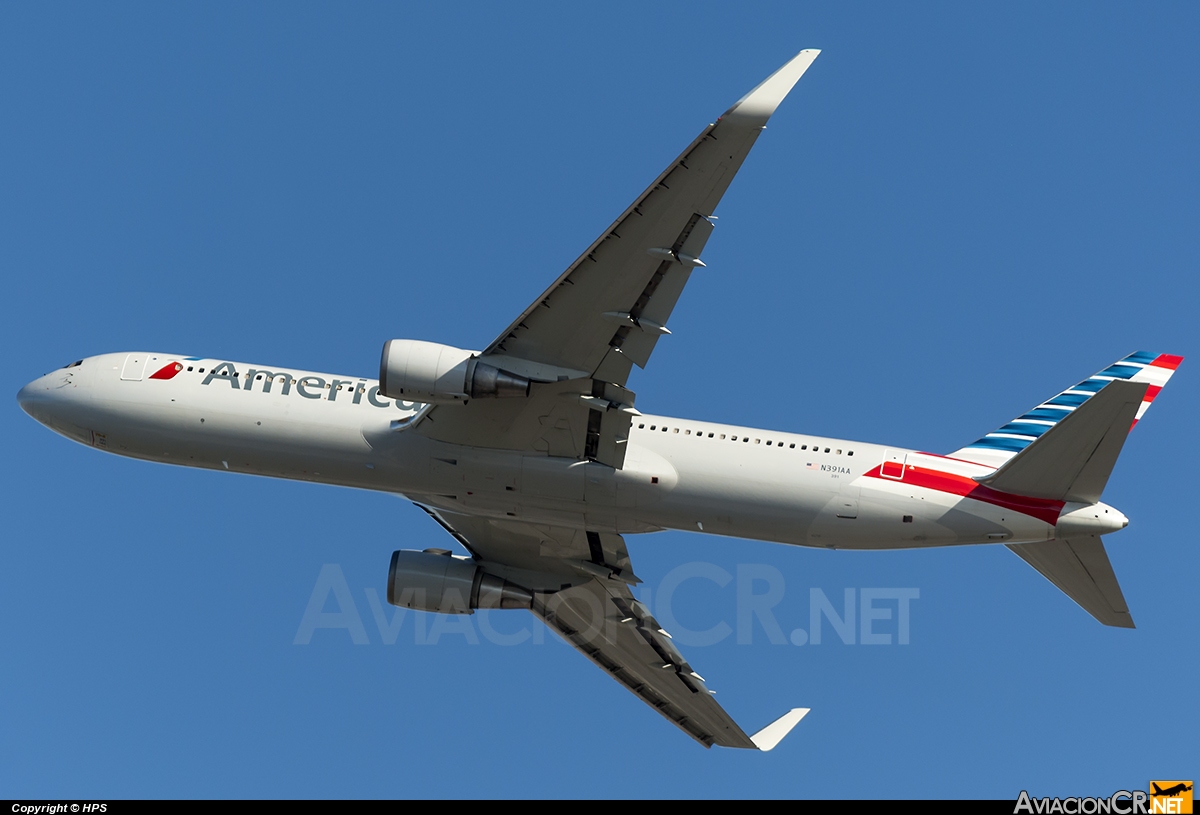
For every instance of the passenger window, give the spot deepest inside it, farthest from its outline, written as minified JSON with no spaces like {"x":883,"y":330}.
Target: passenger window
{"x":710,"y":435}
{"x":792,"y":446}
{"x":643,"y":424}
{"x":745,"y":439}
{"x":839,"y":452}
{"x":201,"y":370}
{"x":826,"y":449}
{"x":653,"y":427}
{"x":677,"y":430}
{"x":189,"y":367}
{"x":850,"y":453}
{"x":758,"y":441}
{"x":804,"y":447}
{"x":687,"y":432}
{"x":722,"y":435}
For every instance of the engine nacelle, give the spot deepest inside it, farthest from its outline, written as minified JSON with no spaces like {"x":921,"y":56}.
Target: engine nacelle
{"x":417,"y":371}
{"x":435,"y":580}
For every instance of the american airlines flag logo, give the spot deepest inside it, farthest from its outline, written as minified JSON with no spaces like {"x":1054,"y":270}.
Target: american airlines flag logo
{"x":810,"y":466}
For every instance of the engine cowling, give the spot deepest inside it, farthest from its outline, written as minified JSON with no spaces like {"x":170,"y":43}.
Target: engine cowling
{"x":435,"y":580}
{"x":417,"y":371}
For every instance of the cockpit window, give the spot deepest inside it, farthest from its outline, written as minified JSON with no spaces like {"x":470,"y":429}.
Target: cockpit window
{"x":74,"y":364}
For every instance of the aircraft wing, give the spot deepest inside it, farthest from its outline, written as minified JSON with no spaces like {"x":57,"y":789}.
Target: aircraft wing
{"x":581,"y":337}
{"x":605,"y":312}
{"x":582,"y":591}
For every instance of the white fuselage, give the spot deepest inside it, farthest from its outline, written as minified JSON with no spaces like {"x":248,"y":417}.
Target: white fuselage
{"x":678,"y":473}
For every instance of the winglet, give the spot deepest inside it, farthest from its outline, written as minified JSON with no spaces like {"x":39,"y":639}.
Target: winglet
{"x":757,"y":106}
{"x":773,"y":733}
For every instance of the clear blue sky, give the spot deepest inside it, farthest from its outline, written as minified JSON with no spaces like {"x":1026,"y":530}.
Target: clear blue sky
{"x":961,"y":209}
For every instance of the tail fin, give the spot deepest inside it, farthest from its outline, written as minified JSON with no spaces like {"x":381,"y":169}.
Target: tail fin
{"x":999,"y":446}
{"x":1064,"y":450}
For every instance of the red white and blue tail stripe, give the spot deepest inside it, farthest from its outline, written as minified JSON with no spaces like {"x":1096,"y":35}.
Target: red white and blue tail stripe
{"x":1002,"y":444}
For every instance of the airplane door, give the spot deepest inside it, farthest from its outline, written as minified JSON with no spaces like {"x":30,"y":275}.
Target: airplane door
{"x":893,"y":464}
{"x":135,"y":366}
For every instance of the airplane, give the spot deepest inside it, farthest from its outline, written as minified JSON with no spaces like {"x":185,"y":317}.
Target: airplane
{"x":1170,"y":792}
{"x":532,"y":455}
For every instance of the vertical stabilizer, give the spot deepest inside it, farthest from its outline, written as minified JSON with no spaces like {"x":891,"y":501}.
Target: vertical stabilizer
{"x":1004,"y":443}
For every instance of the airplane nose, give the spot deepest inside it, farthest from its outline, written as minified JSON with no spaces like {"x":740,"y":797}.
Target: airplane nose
{"x":49,"y":398}
{"x":30,"y":396}
{"x":57,"y":401}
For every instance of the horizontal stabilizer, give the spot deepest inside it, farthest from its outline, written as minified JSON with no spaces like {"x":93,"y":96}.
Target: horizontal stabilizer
{"x":773,"y":733}
{"x":1073,"y":459}
{"x":1080,"y":567}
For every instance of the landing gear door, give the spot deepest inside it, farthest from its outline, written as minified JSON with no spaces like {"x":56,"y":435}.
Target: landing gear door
{"x":893,"y":464}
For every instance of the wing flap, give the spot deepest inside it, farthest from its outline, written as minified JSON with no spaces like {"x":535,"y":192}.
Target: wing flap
{"x":600,"y":621}
{"x":562,"y":419}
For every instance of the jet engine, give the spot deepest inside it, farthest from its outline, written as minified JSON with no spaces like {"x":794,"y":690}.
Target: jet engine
{"x":417,"y":371}
{"x":435,"y":580}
